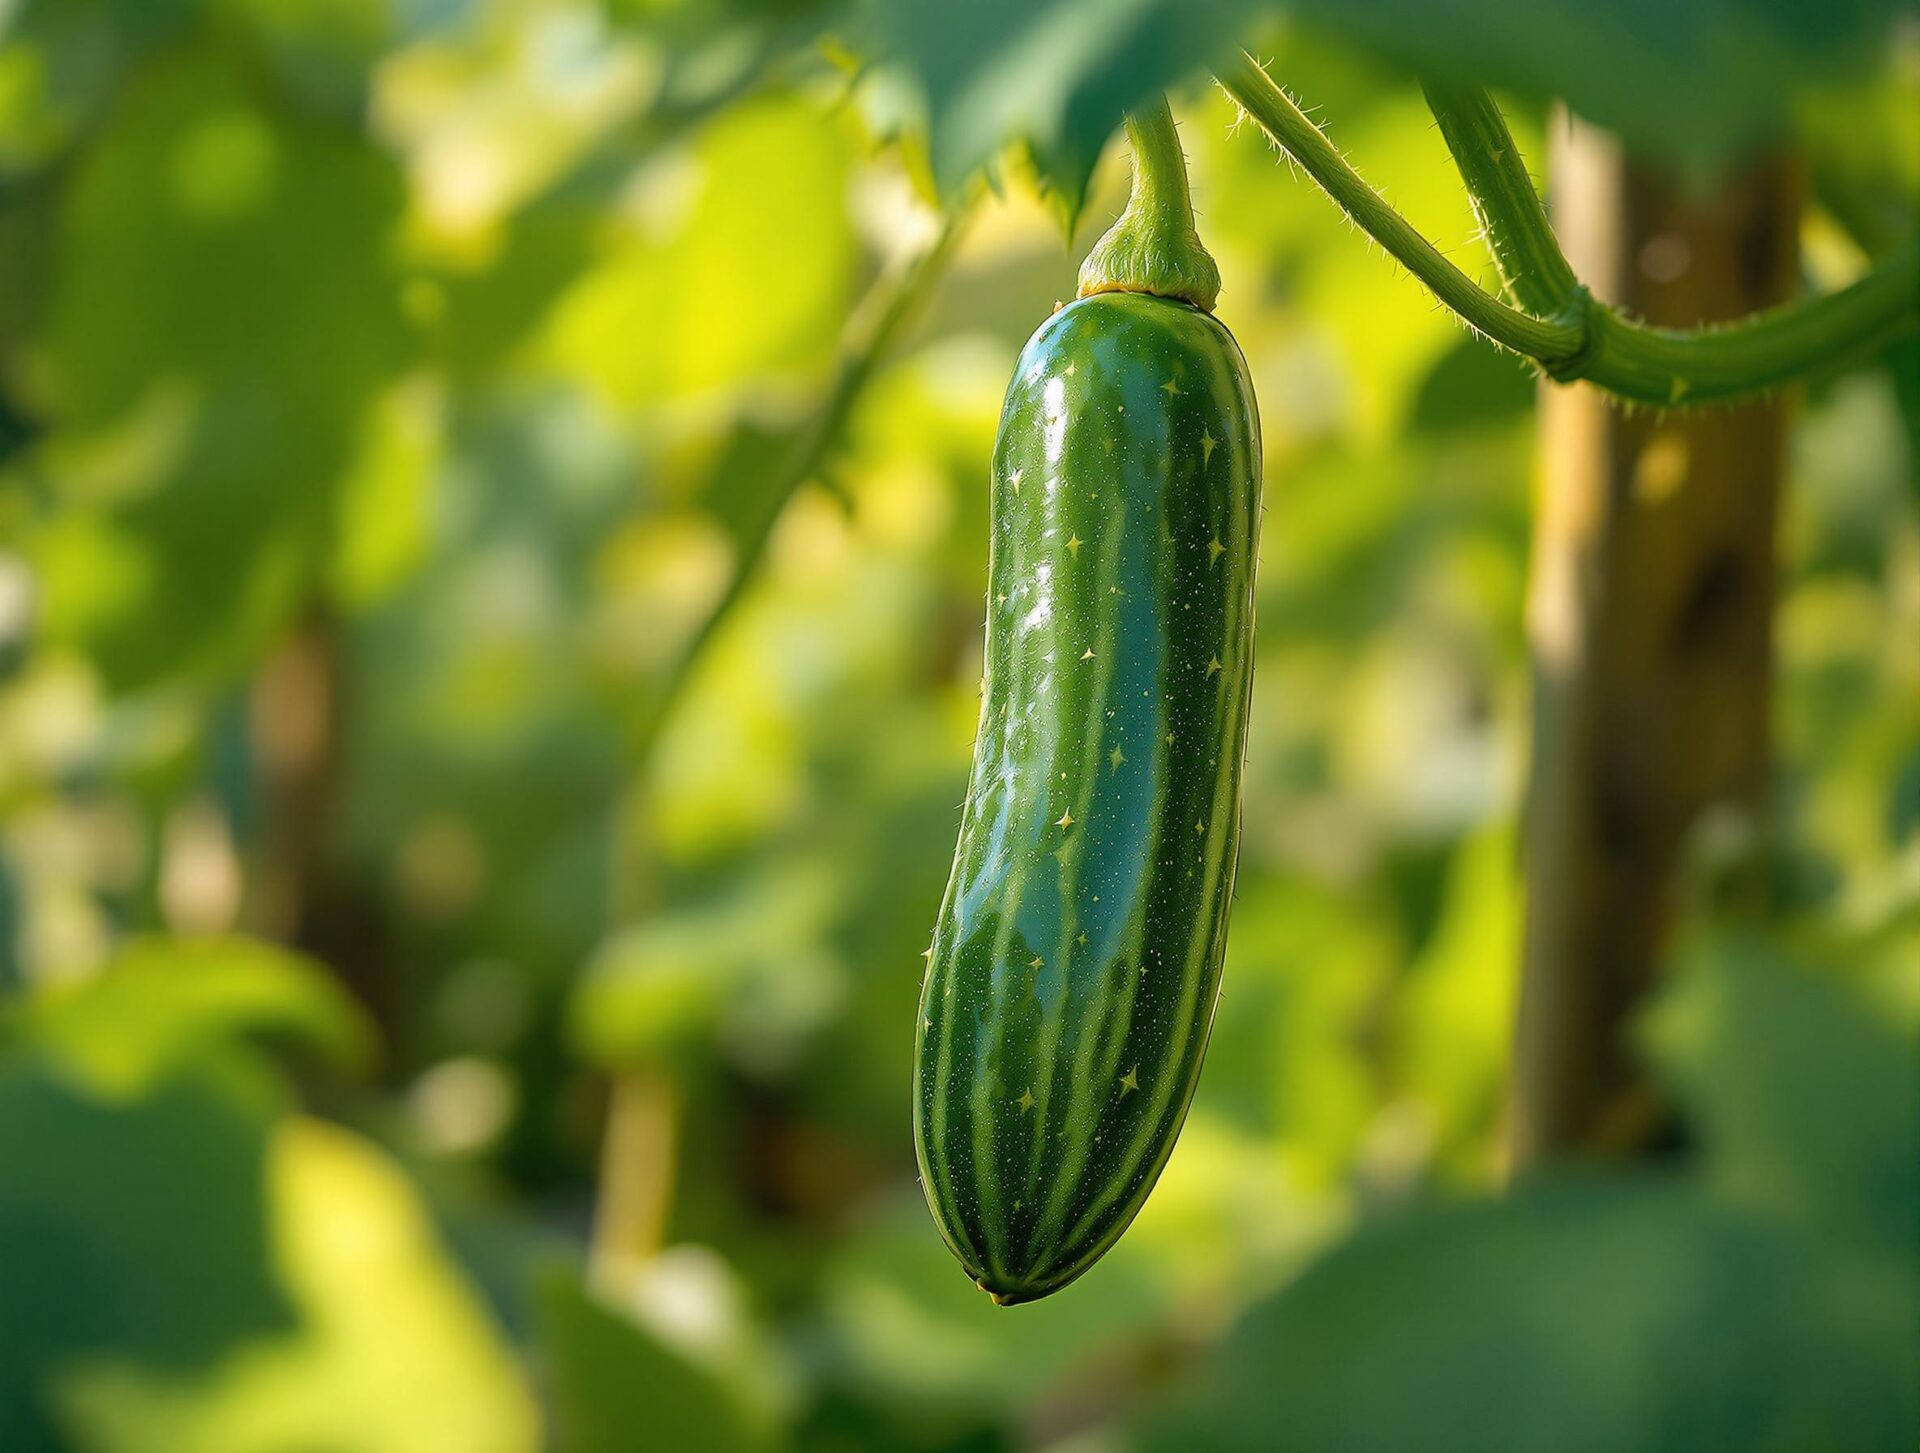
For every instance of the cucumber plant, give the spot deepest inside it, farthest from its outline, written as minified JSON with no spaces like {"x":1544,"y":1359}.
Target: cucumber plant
{"x":1076,"y":960}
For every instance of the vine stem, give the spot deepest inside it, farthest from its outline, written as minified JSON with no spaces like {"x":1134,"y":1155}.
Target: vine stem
{"x":1536,"y":272}
{"x":1559,"y":323}
{"x":1538,"y":338}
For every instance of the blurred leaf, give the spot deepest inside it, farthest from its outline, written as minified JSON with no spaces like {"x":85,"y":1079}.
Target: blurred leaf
{"x":29,"y":218}
{"x":1863,"y":151}
{"x":737,"y":262}
{"x":1632,"y":1311}
{"x":484,"y":316}
{"x":1472,"y":386}
{"x":618,"y":1387}
{"x":746,"y":484}
{"x":128,"y":1228}
{"x":324,"y":49}
{"x":9,"y":930}
{"x":385,"y":494}
{"x":60,"y":61}
{"x":203,"y":388}
{"x":392,"y":1351}
{"x":1862,"y":141}
{"x":1453,"y":1019}
{"x":741,"y":966}
{"x":1060,"y":74}
{"x":645,"y":997}
{"x":1587,"y":1317}
{"x":905,"y":1325}
{"x":1696,"y":80}
{"x":1806,"y":1103}
{"x":162,"y":1003}
{"x":1903,"y":802}
{"x":1304,"y":975}
{"x":1903,"y":362}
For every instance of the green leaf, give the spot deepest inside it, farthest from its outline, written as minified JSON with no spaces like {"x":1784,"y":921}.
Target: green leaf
{"x":742,"y":965}
{"x":903,"y":1325}
{"x":1697,"y":79}
{"x":1471,"y":387}
{"x":163,"y":1003}
{"x":1453,"y":1017}
{"x":737,"y":262}
{"x":1734,"y":1310}
{"x":1059,"y":75}
{"x":136,"y":1229}
{"x":484,"y":316}
{"x":221,"y":311}
{"x":383,"y":523}
{"x":616,"y":1386}
{"x":1586,"y":1317}
{"x":390,"y":1351}
{"x":60,"y":63}
{"x":1806,"y":1102}
{"x":325,"y":50}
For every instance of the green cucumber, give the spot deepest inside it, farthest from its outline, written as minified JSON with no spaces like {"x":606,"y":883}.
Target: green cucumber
{"x":1076,"y":961}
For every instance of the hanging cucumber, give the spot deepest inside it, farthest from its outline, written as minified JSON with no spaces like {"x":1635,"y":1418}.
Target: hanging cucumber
{"x":1076,"y":960}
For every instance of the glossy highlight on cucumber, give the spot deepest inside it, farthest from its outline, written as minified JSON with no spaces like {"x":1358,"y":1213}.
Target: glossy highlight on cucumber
{"x":1076,"y":961}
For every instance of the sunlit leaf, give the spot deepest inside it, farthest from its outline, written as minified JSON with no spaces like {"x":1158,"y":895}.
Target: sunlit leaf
{"x":618,"y":1386}
{"x":163,"y":1002}
{"x":131,"y":1230}
{"x":391,"y":1351}
{"x":1454,"y":1016}
{"x":735,"y":260}
{"x":385,"y":495}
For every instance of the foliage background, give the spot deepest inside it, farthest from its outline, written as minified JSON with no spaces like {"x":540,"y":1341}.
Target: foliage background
{"x":388,"y":391}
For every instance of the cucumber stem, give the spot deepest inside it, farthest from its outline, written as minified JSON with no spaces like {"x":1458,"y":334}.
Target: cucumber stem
{"x":1153,"y":247}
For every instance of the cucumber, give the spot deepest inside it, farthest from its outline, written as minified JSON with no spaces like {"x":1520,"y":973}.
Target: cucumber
{"x":1075,"y":965}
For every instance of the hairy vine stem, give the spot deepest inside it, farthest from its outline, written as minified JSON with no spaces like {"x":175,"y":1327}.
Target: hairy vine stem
{"x":1535,"y":271}
{"x":1557,"y":322}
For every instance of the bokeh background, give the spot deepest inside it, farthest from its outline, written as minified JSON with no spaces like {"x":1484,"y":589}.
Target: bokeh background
{"x":492,"y":528}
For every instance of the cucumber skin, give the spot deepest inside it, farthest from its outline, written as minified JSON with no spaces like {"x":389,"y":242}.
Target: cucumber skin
{"x":1076,"y":961}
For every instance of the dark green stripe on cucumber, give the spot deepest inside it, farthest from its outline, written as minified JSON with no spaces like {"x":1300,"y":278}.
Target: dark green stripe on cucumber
{"x":1076,"y":961}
